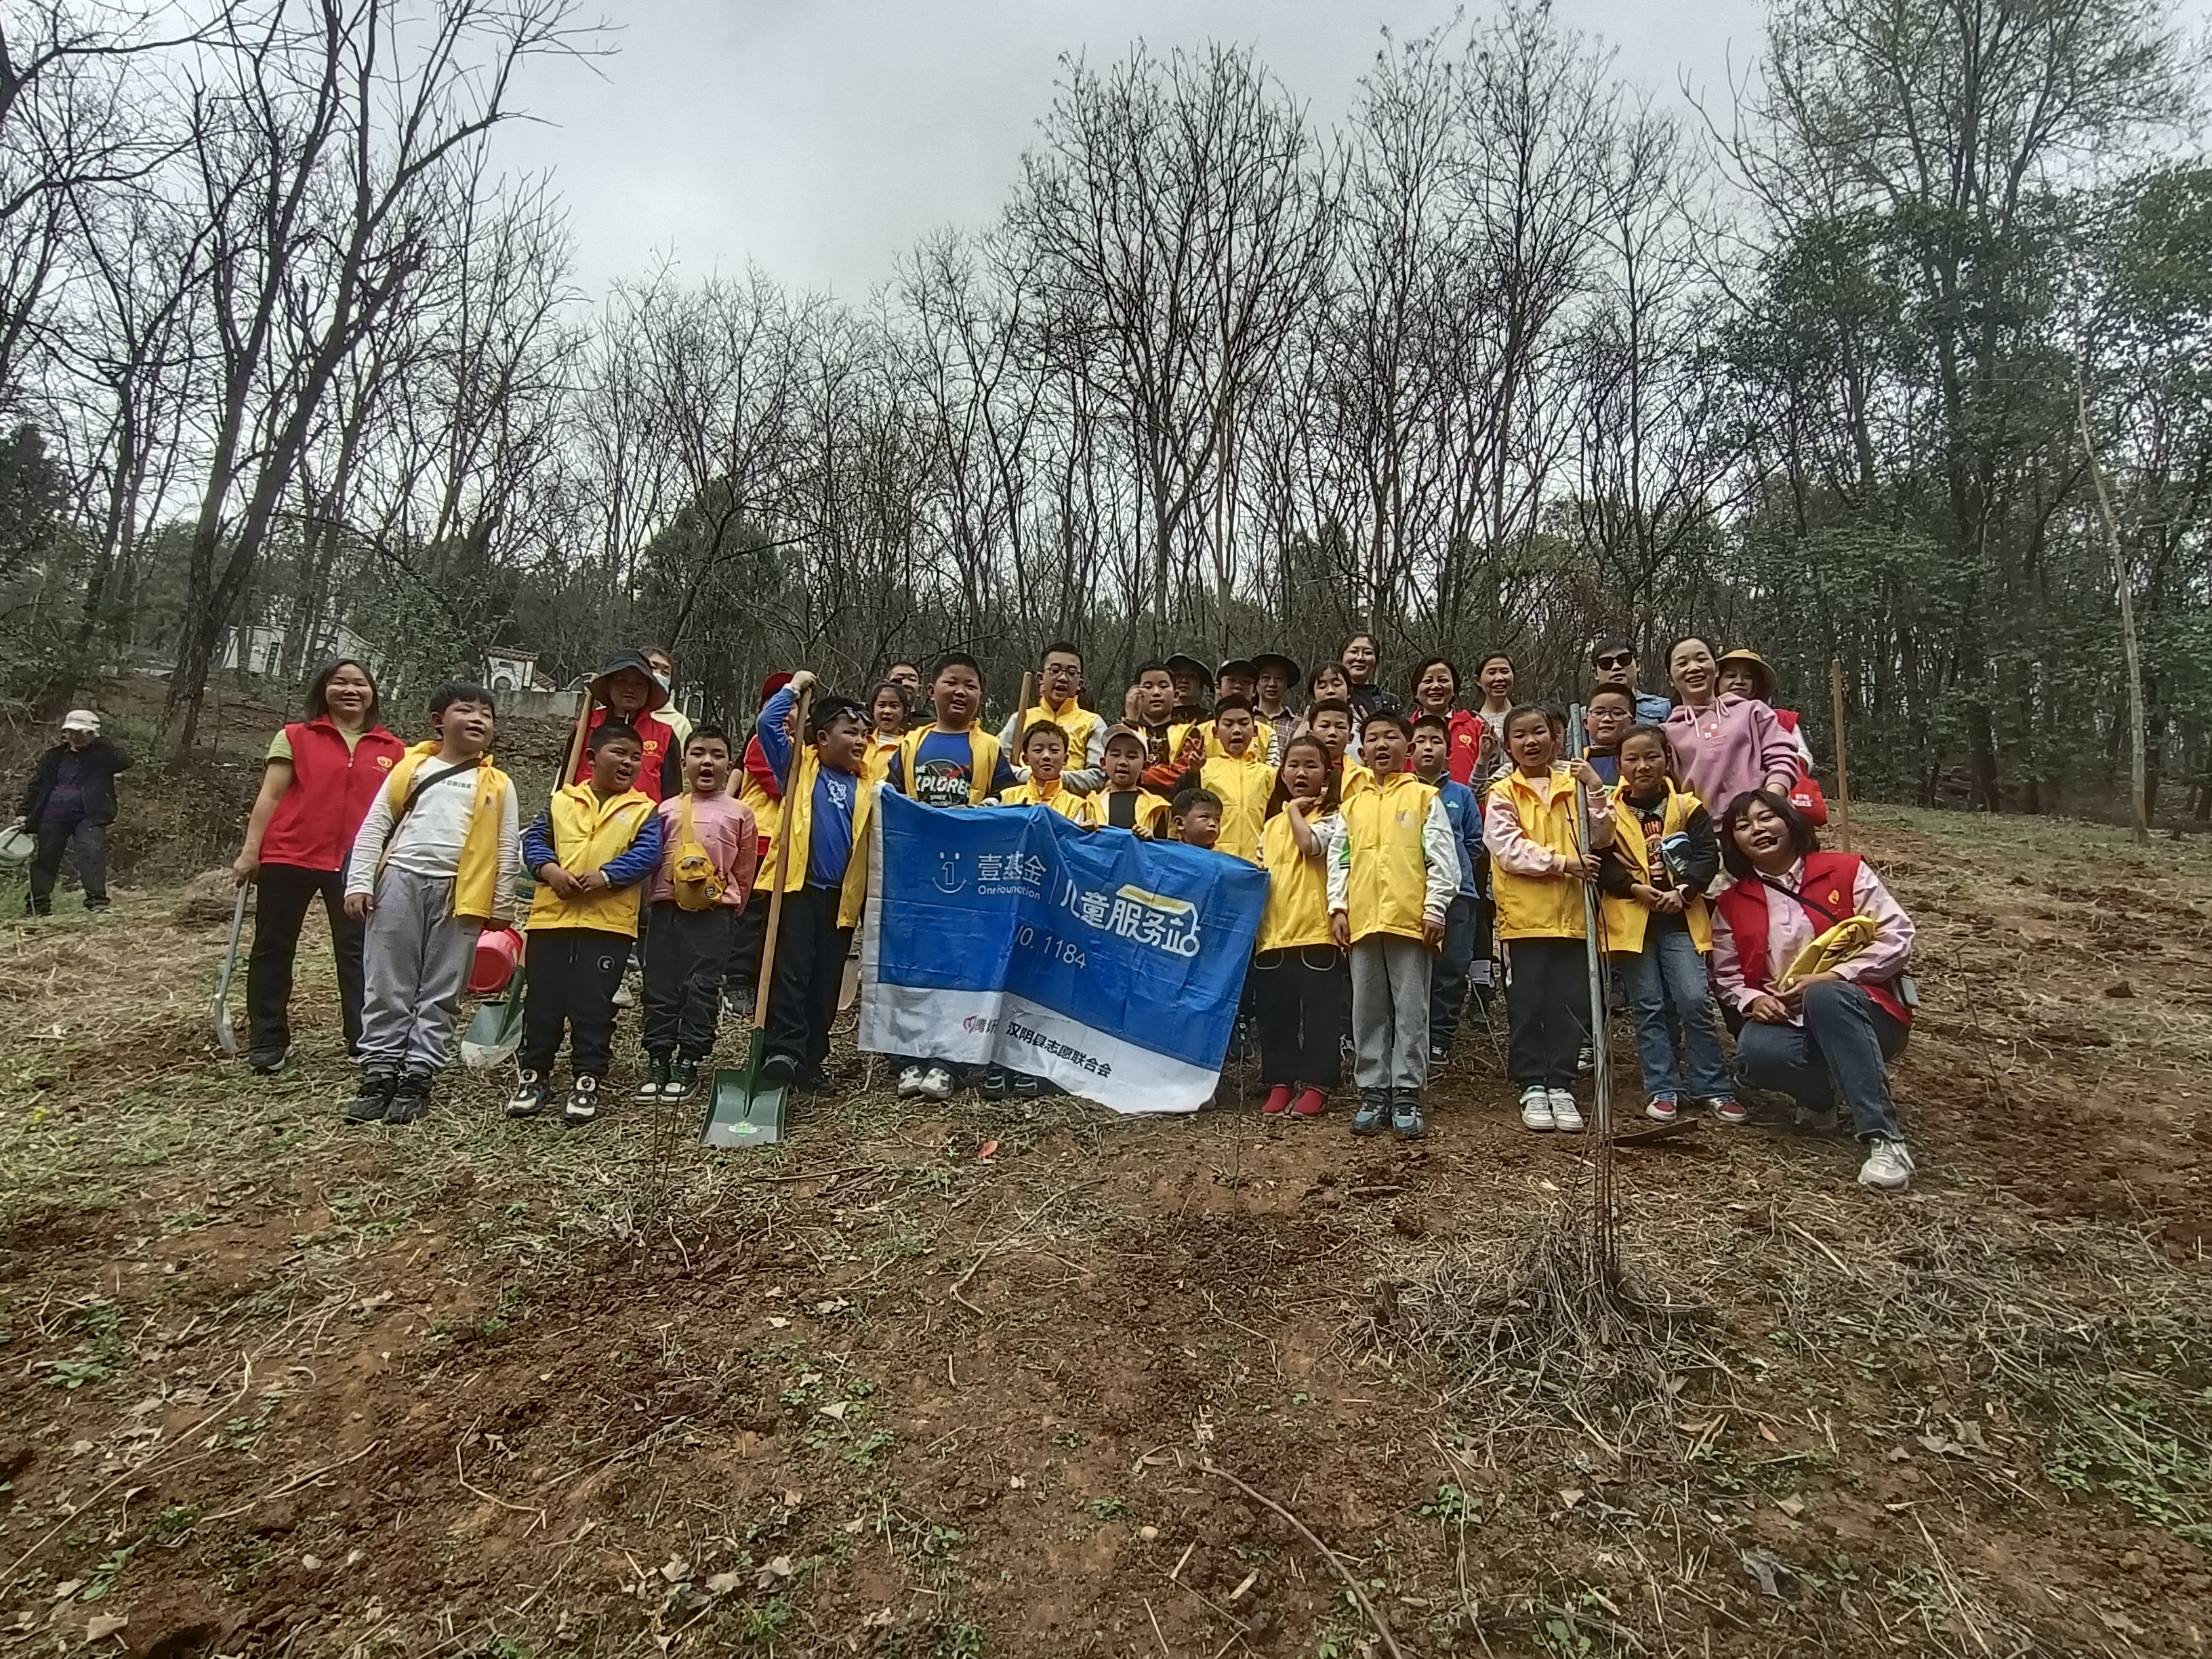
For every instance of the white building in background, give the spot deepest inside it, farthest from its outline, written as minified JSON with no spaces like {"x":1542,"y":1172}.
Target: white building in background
{"x":259,"y":648}
{"x":507,"y":668}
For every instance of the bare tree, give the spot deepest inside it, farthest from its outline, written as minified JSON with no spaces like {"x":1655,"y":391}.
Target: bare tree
{"x":329,"y":132}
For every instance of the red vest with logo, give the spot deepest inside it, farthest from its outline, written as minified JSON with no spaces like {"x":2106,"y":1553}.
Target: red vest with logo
{"x":1830,"y":878}
{"x":659,"y":743}
{"x":332,"y":789}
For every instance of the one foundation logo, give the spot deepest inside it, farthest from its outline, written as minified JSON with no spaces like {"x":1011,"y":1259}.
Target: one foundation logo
{"x":1166,"y":924}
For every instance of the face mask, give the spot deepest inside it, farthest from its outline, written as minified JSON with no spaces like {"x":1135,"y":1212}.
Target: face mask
{"x":662,"y":681}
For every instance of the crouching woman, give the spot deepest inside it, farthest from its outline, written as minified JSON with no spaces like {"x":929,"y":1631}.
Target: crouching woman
{"x":1810,"y":949}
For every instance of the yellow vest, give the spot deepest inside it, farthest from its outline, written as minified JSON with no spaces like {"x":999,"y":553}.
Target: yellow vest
{"x":1243,"y":784}
{"x":1076,"y":809}
{"x":1389,"y":871}
{"x":1625,"y":920}
{"x":588,"y":832}
{"x":876,"y":764}
{"x":476,"y":883}
{"x":982,"y":760}
{"x":1075,"y":719}
{"x":767,"y":809}
{"x":1540,"y":906}
{"x":1298,"y":891}
{"x":800,"y":821}
{"x":1355,"y":778}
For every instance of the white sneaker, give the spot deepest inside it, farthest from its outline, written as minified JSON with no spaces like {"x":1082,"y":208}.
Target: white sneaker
{"x":1659,"y":1108}
{"x":1536,"y":1108}
{"x":1889,"y":1167}
{"x":623,"y":997}
{"x":936,"y":1083}
{"x":1564,"y":1113}
{"x":909,"y":1082}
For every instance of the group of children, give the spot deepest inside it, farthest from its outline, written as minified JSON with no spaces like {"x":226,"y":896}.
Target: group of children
{"x":1377,"y":854}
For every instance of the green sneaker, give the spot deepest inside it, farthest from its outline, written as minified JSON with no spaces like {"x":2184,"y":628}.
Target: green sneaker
{"x":656,"y":1077}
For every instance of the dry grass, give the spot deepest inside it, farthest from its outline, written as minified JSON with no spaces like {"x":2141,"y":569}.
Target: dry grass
{"x":1972,"y":1422}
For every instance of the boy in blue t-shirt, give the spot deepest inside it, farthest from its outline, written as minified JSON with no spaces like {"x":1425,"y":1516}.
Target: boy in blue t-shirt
{"x":951,"y":761}
{"x":1447,"y":979}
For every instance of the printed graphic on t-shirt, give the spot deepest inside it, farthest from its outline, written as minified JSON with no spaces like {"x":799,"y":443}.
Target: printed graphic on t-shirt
{"x":1655,"y":832}
{"x":840,"y":790}
{"x":940,"y":782}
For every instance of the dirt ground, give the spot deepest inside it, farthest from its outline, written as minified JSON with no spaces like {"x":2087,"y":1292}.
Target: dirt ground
{"x":989,"y":1379}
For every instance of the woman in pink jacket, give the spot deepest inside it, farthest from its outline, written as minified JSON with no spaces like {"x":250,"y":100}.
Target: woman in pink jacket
{"x":1723,"y":745}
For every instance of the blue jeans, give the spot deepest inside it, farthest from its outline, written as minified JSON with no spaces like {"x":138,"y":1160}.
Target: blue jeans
{"x":1840,"y":1050}
{"x":1665,"y":987}
{"x":1448,"y":976}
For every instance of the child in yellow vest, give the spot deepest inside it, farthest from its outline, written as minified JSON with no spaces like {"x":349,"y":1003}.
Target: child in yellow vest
{"x":589,"y":848}
{"x":1391,"y":881}
{"x":1537,"y":866}
{"x":1125,"y":803}
{"x":1059,"y":686}
{"x":889,"y":710}
{"x":1044,"y":753}
{"x":1301,"y":990}
{"x":1239,"y":777}
{"x":1330,"y":719}
{"x":825,"y":882}
{"x":433,"y":863}
{"x":1659,"y":928}
{"x":951,"y":761}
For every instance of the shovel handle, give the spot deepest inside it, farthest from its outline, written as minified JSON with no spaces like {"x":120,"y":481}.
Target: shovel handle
{"x":782,"y":862}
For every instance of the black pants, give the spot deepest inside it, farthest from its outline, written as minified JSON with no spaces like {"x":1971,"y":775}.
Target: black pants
{"x":574,"y":974}
{"x":686,"y":954}
{"x":59,"y":835}
{"x":1546,"y":1009}
{"x":809,"y":968}
{"x":279,"y":909}
{"x":1300,"y":1000}
{"x":742,"y":980}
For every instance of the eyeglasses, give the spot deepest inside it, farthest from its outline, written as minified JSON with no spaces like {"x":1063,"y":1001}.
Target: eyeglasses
{"x":1617,"y":659}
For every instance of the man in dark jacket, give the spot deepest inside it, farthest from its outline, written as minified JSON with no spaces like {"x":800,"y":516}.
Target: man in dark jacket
{"x":69,"y":805}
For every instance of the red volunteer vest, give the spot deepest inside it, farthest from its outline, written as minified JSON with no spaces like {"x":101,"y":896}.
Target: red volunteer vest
{"x":1829,"y":880}
{"x":331,"y":788}
{"x":659,"y":742}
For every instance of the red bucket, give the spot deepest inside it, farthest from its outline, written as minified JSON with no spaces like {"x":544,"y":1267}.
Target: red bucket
{"x":498,"y":950}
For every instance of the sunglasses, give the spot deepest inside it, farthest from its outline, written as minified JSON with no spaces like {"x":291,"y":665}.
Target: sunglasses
{"x":1617,"y":659}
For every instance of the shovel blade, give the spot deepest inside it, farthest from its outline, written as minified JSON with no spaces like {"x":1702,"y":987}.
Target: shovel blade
{"x":741,"y":1111}
{"x":494,"y":1031}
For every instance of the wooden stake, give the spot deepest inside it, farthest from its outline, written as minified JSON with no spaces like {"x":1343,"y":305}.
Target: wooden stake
{"x":783,"y":859}
{"x":1022,"y":718}
{"x":1843,"y":769}
{"x":576,"y":742}
{"x":2139,"y":790}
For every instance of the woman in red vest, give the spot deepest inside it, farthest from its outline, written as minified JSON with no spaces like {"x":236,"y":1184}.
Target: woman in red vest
{"x":1745,"y":673}
{"x":1825,"y":1034}
{"x":322,"y":773}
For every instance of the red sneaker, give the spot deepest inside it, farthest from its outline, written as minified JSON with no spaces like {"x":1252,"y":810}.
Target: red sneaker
{"x":1277,"y":1098}
{"x":1309,"y":1104}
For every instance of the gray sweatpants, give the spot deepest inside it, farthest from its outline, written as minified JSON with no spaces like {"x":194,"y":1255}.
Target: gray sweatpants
{"x":1390,"y":1013}
{"x":416,"y":956}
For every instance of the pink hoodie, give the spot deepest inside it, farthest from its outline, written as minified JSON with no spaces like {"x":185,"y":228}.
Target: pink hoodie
{"x":1732,"y":745}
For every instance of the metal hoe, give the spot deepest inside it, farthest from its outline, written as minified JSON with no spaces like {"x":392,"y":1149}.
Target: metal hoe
{"x":1604,"y":1239}
{"x":225,"y":1038}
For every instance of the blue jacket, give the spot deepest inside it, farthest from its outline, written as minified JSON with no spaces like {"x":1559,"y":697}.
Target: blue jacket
{"x":1464,"y":808}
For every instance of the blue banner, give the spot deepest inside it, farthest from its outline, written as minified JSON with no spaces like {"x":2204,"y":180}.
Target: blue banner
{"x":1010,"y":936}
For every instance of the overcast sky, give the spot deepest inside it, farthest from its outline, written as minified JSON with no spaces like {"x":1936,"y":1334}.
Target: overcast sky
{"x":818,"y":138}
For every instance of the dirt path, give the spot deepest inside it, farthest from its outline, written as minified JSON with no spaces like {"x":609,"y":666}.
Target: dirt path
{"x":476,"y":1387}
